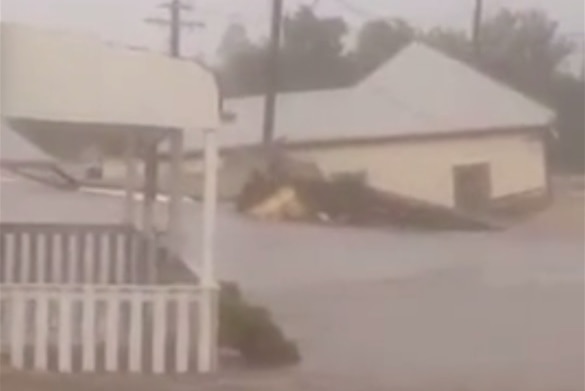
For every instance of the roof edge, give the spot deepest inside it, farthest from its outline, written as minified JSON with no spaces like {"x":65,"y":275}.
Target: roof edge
{"x":484,"y":73}
{"x":395,"y":138}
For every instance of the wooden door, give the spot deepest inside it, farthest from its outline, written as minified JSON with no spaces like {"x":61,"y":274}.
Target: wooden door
{"x":472,"y":186}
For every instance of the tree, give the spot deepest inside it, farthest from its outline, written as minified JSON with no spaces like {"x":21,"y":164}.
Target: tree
{"x":235,"y":41}
{"x":452,"y":42}
{"x":521,"y":48}
{"x":242,"y":63}
{"x":377,"y":41}
{"x":524,"y":49}
{"x":312,"y":55}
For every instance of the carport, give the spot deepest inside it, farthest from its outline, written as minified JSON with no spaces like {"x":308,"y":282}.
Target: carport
{"x":76,"y":87}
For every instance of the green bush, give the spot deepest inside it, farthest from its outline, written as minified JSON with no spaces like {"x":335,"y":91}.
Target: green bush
{"x":251,"y":331}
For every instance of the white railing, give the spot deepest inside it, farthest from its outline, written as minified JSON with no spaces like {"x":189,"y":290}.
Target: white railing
{"x":85,"y":254}
{"x":56,"y":253}
{"x":92,"y":328}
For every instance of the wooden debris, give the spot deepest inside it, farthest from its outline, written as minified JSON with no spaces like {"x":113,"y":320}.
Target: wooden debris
{"x":347,"y":201}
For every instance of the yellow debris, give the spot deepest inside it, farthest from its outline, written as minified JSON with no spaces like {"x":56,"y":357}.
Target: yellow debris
{"x":281,"y":205}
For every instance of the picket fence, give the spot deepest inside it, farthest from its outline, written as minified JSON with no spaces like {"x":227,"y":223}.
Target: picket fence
{"x":89,"y":298}
{"x":75,"y":254}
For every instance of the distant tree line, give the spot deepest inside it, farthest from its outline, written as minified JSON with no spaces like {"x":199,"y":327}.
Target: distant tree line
{"x":521,"y":48}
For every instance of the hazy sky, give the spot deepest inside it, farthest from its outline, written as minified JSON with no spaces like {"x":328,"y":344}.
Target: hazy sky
{"x":122,"y":20}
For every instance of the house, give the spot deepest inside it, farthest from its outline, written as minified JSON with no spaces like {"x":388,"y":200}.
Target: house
{"x":423,"y":125}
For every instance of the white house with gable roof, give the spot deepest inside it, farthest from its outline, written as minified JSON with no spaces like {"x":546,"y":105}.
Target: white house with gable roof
{"x":423,"y":125}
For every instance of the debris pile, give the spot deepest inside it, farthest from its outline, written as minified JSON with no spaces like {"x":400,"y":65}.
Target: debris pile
{"x":277,"y":195}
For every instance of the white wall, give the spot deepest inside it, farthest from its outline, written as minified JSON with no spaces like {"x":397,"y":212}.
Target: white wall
{"x":423,"y":169}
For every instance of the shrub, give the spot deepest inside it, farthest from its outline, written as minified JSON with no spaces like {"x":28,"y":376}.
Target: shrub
{"x":251,"y":331}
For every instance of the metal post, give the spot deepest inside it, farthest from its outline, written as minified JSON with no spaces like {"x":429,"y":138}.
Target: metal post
{"x":149,"y":188}
{"x":175,"y":24}
{"x":149,"y":204}
{"x":175,"y":173}
{"x":207,"y":340}
{"x":131,"y":180}
{"x":476,"y":29}
{"x":209,"y":207}
{"x":272,"y":72}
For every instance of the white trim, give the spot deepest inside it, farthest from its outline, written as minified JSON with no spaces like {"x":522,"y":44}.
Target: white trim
{"x":103,"y":318}
{"x":207,"y":334}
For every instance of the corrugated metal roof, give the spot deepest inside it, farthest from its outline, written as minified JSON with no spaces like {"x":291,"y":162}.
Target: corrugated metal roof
{"x":453,"y":94}
{"x":419,"y":91}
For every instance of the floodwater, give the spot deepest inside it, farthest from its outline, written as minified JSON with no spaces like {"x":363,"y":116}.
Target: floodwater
{"x":406,"y":310}
{"x":386,"y":309}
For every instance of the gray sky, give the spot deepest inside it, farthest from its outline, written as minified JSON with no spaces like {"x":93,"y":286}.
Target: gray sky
{"x":122,"y":20}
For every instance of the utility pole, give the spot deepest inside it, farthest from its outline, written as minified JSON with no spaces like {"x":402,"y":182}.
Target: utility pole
{"x":175,"y":24}
{"x":476,"y":29}
{"x":272,"y":72}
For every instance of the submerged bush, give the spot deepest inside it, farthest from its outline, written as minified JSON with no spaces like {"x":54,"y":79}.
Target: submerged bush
{"x":251,"y":331}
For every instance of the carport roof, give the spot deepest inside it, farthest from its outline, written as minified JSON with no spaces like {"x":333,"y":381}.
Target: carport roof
{"x":16,"y":148}
{"x":59,"y":78}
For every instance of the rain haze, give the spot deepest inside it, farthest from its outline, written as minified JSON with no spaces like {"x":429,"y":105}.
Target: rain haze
{"x":389,"y":196}
{"x":123,"y":20}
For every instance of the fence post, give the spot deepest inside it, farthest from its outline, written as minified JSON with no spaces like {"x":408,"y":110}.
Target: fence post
{"x":159,"y":316}
{"x":136,"y":339}
{"x":25,"y":257}
{"x":88,"y":329}
{"x":18,"y":329}
{"x":41,"y":340}
{"x":207,"y":338}
{"x":9,"y":256}
{"x":183,"y":322}
{"x":112,"y":331}
{"x":65,"y":332}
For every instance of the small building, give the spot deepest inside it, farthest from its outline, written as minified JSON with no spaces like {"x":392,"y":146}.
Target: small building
{"x":423,"y":125}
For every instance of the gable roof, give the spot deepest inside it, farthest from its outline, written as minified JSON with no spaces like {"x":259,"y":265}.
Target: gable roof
{"x":453,"y":93}
{"x":420,"y":91}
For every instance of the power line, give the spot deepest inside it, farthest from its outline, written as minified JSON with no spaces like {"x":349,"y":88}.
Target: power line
{"x":175,"y":24}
